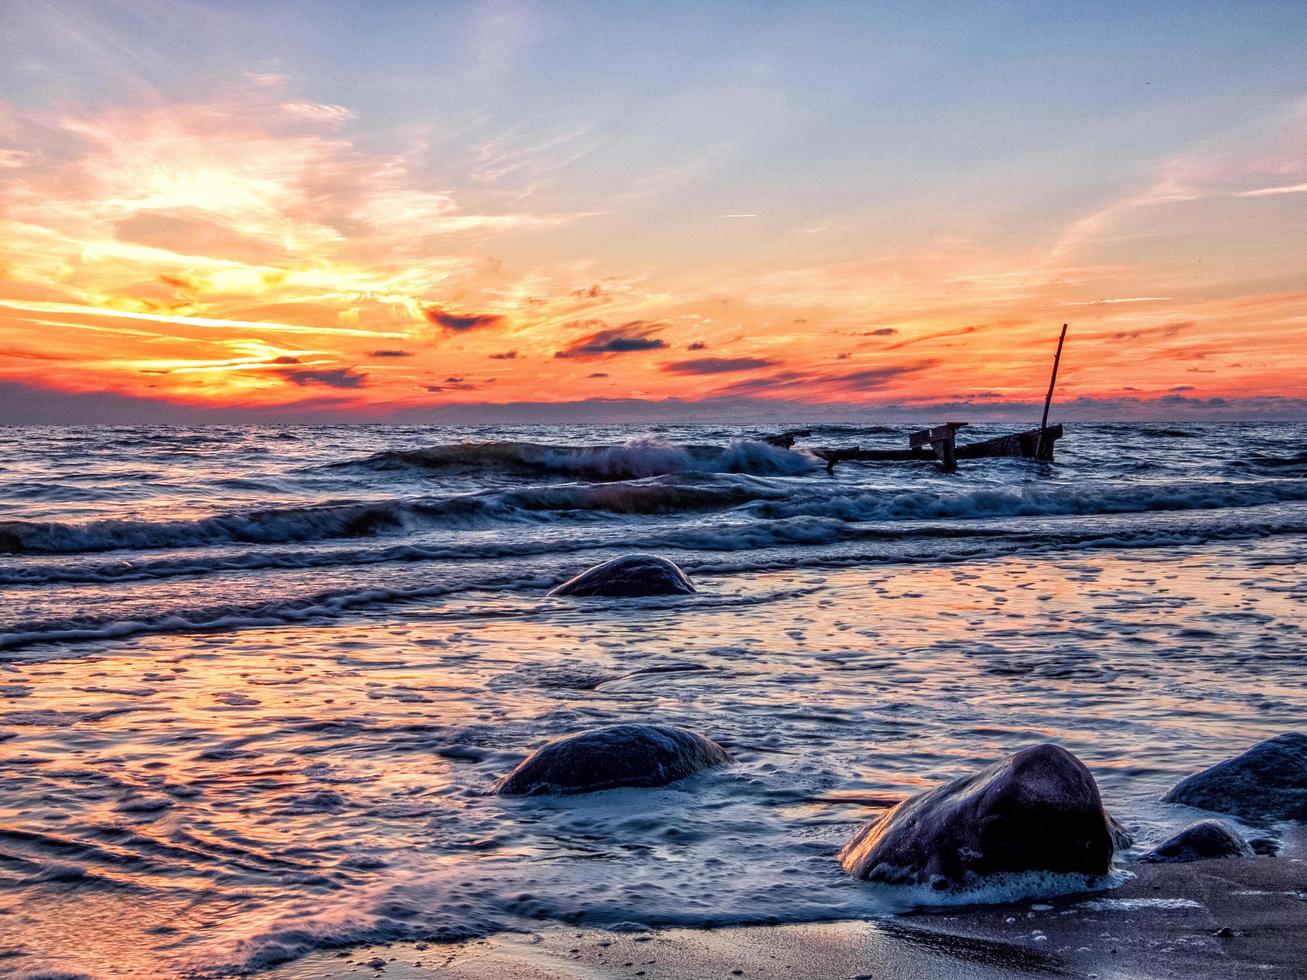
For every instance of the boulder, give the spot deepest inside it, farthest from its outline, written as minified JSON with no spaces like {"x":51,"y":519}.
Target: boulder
{"x":630,"y":575}
{"x":1199,"y":842}
{"x":1038,"y":810}
{"x":606,"y":758}
{"x":1266,"y":783}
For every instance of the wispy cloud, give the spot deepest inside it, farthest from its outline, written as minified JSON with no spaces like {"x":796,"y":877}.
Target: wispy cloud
{"x":1273,"y":191}
{"x":460,"y":322}
{"x":334,"y":378}
{"x":718,"y":365}
{"x":629,"y":338}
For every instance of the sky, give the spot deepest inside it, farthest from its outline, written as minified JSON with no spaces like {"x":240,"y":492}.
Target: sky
{"x":522,"y":211}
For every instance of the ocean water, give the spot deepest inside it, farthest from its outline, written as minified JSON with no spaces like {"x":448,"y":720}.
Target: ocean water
{"x":256,"y":683}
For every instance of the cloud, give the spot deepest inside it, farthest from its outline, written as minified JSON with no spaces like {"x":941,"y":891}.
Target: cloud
{"x":461,"y":322}
{"x":813,"y":385}
{"x":774,"y":383}
{"x":882,"y":332}
{"x":390,"y":353}
{"x":508,"y":355}
{"x":453,"y":383}
{"x":332,"y":115}
{"x":697,"y":345}
{"x":208,"y":323}
{"x":332,"y":378}
{"x":1270,"y":191}
{"x":718,"y":365}
{"x":1165,"y":330}
{"x":937,"y":335}
{"x":871,"y":379}
{"x":25,"y":404}
{"x":629,"y":338}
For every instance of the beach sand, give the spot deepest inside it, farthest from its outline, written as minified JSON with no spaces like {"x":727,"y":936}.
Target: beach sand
{"x":1168,"y":921}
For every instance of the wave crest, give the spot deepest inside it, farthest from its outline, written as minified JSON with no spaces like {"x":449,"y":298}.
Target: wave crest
{"x":637,"y":458}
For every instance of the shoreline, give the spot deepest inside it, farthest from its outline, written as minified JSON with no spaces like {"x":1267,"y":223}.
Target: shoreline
{"x":1169,"y":921}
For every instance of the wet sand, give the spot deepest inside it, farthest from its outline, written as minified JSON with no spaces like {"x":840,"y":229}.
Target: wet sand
{"x":1169,"y":921}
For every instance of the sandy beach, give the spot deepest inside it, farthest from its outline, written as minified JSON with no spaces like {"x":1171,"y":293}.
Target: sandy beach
{"x":1218,"y":920}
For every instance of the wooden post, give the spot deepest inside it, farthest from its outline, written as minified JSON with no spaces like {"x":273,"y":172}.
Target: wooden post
{"x":942,"y":441}
{"x":948,"y":455}
{"x":1048,"y":400}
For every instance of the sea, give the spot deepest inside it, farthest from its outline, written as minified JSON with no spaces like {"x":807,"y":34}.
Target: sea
{"x":257,"y":683}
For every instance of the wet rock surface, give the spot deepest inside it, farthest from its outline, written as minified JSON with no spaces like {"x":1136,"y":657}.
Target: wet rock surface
{"x":1266,"y":783}
{"x":1200,"y":841}
{"x":608,"y":758}
{"x":1038,"y":810}
{"x":630,"y":575}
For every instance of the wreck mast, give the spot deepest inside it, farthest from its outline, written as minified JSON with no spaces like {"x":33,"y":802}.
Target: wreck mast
{"x":1041,"y":452}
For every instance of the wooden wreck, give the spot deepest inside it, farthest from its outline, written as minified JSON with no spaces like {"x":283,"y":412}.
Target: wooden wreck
{"x":940,"y":442}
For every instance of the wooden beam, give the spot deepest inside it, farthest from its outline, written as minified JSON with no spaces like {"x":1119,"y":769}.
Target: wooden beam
{"x":948,"y":430}
{"x":1021,"y":444}
{"x":943,"y":441}
{"x":786,"y":439}
{"x":858,"y":454}
{"x":1040,"y":451}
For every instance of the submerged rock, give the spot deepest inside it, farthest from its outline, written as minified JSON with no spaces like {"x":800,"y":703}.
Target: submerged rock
{"x":1199,"y":842}
{"x":1267,"y":846}
{"x":630,"y":575}
{"x":1038,"y":810}
{"x":606,"y":758}
{"x":1268,"y":782}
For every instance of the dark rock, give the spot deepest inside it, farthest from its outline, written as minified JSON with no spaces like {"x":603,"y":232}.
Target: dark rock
{"x":1268,"y":782}
{"x":1038,"y":810}
{"x":630,"y":575}
{"x":1121,"y":838}
{"x":605,"y":758}
{"x":1199,"y":842}
{"x":1266,"y":846}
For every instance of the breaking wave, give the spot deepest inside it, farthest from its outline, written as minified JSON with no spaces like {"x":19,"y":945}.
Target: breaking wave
{"x":355,"y":519}
{"x":682,"y":494}
{"x":631,"y":460}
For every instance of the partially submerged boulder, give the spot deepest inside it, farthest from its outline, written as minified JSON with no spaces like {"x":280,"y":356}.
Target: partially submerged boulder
{"x":606,"y":758}
{"x":630,"y":575}
{"x":1038,"y":810}
{"x":1199,"y":842}
{"x":1266,"y":783}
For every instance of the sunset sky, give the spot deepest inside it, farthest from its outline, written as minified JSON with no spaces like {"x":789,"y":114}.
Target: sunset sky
{"x":377,"y":210}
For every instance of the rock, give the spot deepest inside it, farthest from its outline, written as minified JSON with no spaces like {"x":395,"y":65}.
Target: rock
{"x":1121,"y":838}
{"x":1199,"y":842}
{"x":1038,"y":810}
{"x":1266,"y":783}
{"x":605,"y":758}
{"x":630,"y":575}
